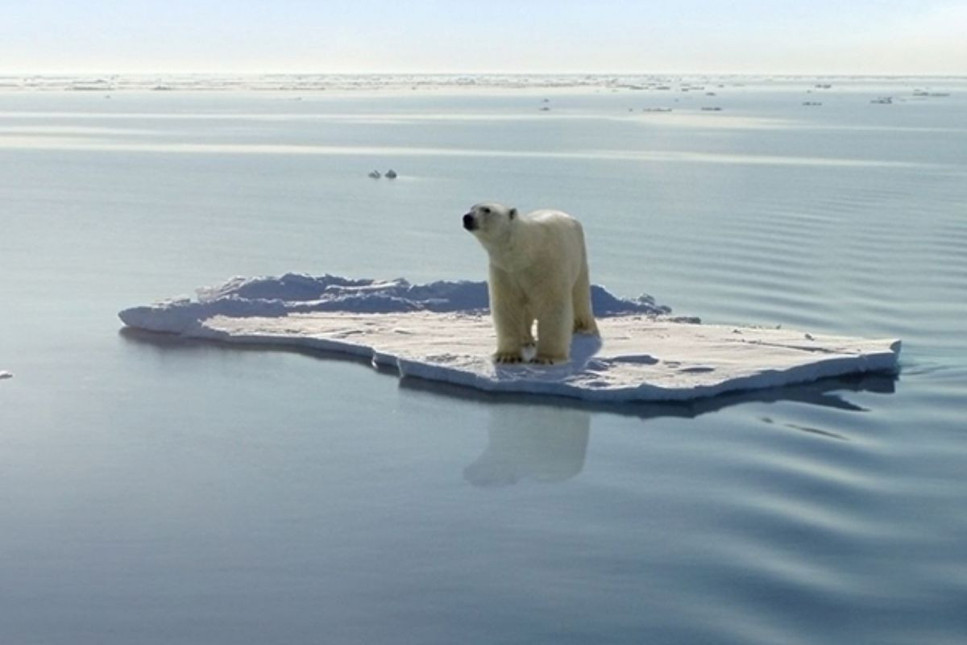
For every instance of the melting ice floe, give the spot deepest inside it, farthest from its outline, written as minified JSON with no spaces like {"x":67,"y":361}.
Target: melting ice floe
{"x":442,"y":331}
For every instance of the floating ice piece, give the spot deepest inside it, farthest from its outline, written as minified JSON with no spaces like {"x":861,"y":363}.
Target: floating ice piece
{"x":4,"y":374}
{"x":442,"y":332}
{"x":391,"y":174}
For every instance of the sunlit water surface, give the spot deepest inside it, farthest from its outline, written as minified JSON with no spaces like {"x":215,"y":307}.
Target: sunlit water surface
{"x":153,"y":491}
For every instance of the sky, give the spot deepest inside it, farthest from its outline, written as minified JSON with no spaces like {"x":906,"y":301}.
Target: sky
{"x":479,"y":36}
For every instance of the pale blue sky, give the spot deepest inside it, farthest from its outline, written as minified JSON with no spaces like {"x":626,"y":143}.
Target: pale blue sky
{"x":742,"y":36}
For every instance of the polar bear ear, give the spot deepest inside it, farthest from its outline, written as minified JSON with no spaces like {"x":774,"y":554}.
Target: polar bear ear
{"x":512,"y":213}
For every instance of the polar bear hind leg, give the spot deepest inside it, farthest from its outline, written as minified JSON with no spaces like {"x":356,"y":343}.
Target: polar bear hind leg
{"x":581,"y":296}
{"x":527,"y":333}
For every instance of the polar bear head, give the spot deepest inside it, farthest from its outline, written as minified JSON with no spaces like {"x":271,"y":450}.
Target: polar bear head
{"x":488,"y":221}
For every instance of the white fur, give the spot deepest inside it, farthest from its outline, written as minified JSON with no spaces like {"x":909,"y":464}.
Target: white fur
{"x":538,"y":271}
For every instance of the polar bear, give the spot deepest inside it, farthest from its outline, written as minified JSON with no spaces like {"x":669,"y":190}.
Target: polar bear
{"x":538,"y":271}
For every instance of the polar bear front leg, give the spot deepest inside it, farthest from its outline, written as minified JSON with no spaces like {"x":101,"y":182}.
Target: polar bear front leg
{"x":509,"y":312}
{"x":554,"y":326}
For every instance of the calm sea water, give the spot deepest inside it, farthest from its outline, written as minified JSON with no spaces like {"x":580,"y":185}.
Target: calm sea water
{"x":153,"y":491}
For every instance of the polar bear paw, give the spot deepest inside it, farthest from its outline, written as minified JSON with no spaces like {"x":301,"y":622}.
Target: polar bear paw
{"x":506,"y":358}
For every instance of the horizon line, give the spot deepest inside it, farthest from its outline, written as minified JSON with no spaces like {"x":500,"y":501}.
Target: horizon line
{"x":458,"y":73}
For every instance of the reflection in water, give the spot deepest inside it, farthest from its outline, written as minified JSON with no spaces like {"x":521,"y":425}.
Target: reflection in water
{"x":531,"y":442}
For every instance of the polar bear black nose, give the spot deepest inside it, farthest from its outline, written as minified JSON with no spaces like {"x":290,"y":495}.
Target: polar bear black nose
{"x":468,"y":222}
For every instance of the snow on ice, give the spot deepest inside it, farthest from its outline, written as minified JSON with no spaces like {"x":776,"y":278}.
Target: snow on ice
{"x":442,"y":332}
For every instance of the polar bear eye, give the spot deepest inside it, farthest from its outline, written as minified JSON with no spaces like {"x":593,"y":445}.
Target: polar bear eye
{"x":485,"y":210}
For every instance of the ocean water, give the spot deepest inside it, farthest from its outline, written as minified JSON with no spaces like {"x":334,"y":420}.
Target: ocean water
{"x":156,"y":491}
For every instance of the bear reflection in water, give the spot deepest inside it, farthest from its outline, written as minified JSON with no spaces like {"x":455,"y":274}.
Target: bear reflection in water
{"x":531,"y":442}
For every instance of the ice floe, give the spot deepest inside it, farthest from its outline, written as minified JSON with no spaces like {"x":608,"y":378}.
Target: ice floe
{"x":442,"y":332}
